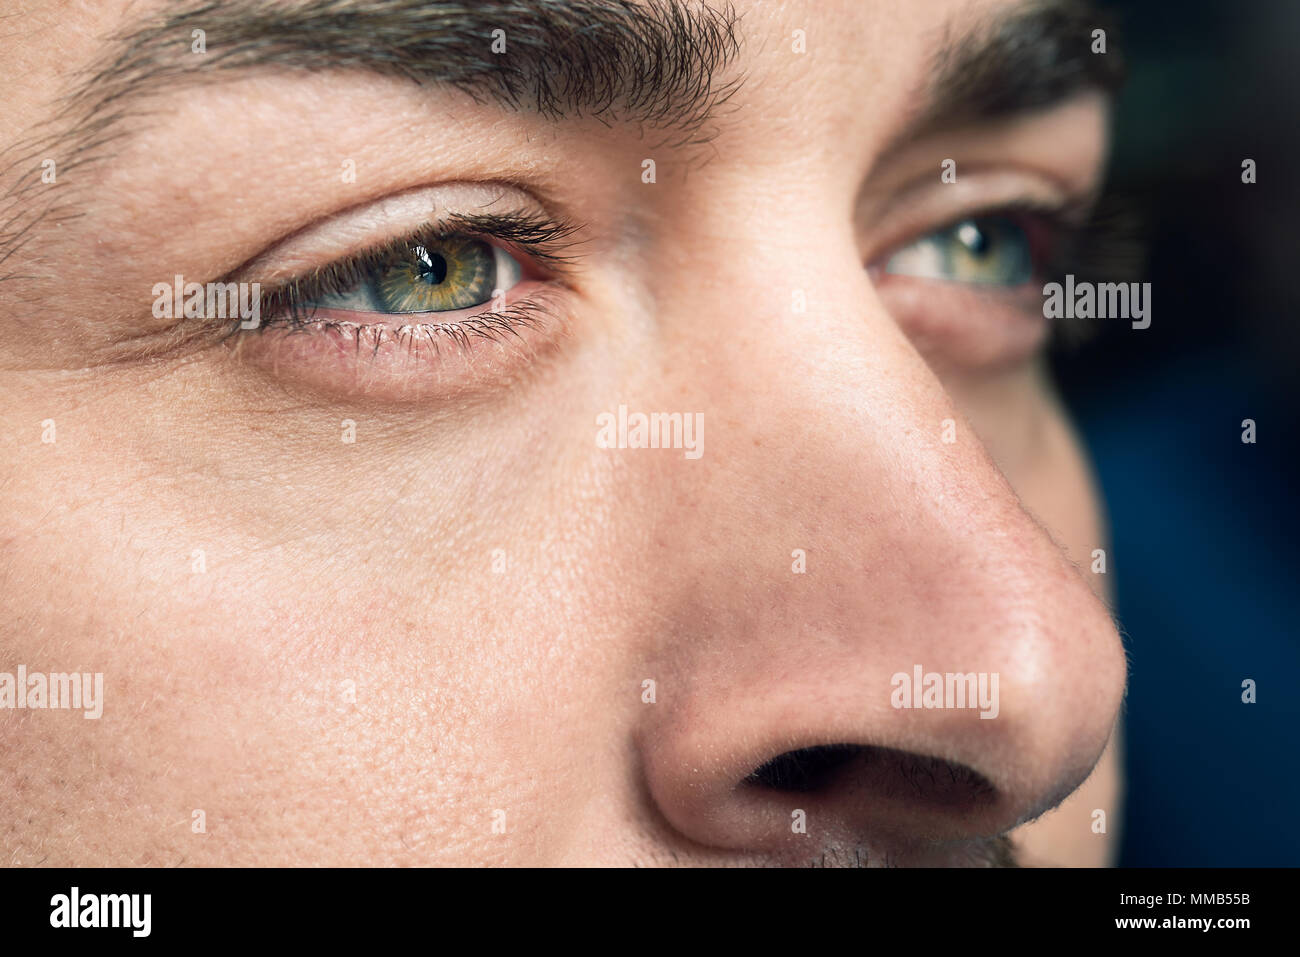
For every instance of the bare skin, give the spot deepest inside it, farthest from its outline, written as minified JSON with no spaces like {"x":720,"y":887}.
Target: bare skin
{"x":430,"y":645}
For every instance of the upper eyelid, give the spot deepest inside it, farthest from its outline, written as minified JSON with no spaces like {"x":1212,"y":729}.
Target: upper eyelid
{"x":540,"y":239}
{"x":473,"y":208}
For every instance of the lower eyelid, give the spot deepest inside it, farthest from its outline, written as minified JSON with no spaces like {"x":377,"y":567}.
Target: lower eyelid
{"x":408,"y":357}
{"x":965,"y":324}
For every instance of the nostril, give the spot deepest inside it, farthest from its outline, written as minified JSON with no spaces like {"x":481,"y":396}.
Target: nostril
{"x":807,"y":769}
{"x":884,"y":773}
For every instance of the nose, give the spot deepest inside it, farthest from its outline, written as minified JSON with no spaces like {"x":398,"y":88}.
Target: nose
{"x":869,"y":642}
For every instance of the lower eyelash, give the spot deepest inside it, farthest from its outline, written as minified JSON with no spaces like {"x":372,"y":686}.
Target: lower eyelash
{"x":492,"y":325}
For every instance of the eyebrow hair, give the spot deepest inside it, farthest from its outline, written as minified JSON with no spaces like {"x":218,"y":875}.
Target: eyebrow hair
{"x":654,"y":62}
{"x":1030,"y":57}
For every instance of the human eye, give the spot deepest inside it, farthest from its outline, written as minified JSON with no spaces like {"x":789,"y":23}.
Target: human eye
{"x":401,"y":315}
{"x":435,"y":270}
{"x":969,"y":290}
{"x":983,"y":249}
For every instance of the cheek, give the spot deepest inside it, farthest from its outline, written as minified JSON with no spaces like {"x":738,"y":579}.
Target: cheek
{"x":306,"y":724}
{"x":301,"y":694}
{"x":310,"y":641}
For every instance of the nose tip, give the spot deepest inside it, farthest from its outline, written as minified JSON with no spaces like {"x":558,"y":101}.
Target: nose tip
{"x":776,"y":727}
{"x":782,"y":765}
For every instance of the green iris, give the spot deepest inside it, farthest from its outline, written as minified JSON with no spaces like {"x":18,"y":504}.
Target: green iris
{"x":453,"y":273}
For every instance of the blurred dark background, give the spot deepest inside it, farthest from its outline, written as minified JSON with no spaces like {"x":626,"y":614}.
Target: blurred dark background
{"x":1206,"y":544}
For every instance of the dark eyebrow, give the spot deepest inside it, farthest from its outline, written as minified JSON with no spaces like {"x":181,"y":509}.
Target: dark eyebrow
{"x":654,"y":62}
{"x":1032,"y":56}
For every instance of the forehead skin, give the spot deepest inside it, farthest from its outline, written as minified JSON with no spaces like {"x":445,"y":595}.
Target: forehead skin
{"x":346,"y":682}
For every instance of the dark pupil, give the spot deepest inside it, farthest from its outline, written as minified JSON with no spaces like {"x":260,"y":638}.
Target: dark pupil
{"x":431,"y":266}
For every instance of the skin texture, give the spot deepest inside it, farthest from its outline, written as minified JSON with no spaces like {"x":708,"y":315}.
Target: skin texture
{"x":349,"y":681}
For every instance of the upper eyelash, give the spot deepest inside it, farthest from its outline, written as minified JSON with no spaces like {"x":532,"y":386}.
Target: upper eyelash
{"x":1097,"y":240}
{"x":545,"y":240}
{"x":1107,"y":243}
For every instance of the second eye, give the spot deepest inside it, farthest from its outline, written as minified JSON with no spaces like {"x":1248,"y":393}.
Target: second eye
{"x":443,"y":274}
{"x":989,"y":249}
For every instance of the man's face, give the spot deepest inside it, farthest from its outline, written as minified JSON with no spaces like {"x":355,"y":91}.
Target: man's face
{"x":391,"y":578}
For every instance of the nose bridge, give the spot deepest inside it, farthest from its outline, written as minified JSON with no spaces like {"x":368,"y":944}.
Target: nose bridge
{"x":839,"y":465}
{"x":838,"y":543}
